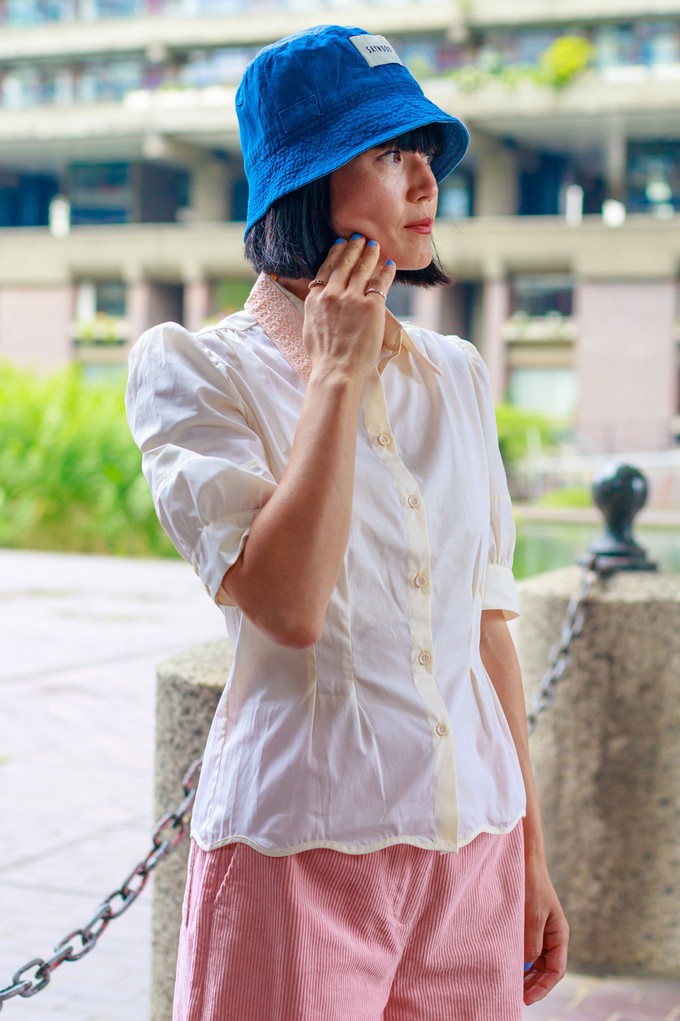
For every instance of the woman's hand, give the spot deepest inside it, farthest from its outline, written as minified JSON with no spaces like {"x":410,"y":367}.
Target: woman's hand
{"x":546,"y":934}
{"x":344,"y":327}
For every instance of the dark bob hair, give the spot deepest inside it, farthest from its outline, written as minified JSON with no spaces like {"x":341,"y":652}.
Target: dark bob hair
{"x":293,"y":237}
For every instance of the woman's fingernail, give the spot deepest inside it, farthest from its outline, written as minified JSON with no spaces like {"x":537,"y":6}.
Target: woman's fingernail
{"x":339,"y":241}
{"x":389,"y":263}
{"x":355,"y":236}
{"x":371,"y":243}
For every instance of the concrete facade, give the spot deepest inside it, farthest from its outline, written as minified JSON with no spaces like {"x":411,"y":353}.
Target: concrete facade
{"x":530,"y":144}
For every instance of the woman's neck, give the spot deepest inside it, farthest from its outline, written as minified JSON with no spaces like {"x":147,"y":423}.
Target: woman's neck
{"x":297,"y":287}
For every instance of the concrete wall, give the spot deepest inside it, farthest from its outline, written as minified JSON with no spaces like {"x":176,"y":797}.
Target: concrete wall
{"x":35,"y":325}
{"x":626,"y":363}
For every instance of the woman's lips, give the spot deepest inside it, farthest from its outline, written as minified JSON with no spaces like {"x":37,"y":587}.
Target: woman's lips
{"x":423,"y":226}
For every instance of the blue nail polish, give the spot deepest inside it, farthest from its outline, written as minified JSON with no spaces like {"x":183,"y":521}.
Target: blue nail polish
{"x":371,"y":244}
{"x":389,"y":263}
{"x":355,"y":236}
{"x":528,"y":965}
{"x":339,"y":241}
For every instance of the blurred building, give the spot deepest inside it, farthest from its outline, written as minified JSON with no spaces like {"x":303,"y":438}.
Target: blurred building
{"x":122,"y":192}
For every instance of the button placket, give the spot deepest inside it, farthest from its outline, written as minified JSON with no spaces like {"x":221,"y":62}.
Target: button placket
{"x":418,"y":578}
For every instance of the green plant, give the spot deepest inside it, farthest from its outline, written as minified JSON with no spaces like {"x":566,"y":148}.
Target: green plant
{"x":519,"y":429}
{"x":567,"y":496}
{"x":70,"y":474}
{"x":565,"y":59}
{"x":102,"y":329}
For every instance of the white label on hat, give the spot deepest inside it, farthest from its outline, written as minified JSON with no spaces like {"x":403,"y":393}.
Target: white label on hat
{"x":375,"y":49}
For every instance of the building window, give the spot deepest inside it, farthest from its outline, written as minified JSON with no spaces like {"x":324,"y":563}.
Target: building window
{"x":100,"y":193}
{"x":541,"y":184}
{"x":550,"y":390}
{"x":25,"y":199}
{"x":653,"y":177}
{"x":239,"y":200}
{"x":541,"y":294}
{"x":100,"y":314}
{"x":455,"y":196}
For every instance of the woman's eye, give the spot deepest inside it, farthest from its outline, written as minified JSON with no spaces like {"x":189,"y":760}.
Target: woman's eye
{"x":391,"y":155}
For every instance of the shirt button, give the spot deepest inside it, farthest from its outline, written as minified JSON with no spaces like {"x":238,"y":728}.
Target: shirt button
{"x":420,"y":580}
{"x":424,"y":657}
{"x":384,"y":439}
{"x":442,"y":730}
{"x":413,"y":502}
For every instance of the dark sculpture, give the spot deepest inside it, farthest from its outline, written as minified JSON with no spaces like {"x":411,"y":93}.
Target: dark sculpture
{"x":620,"y":491}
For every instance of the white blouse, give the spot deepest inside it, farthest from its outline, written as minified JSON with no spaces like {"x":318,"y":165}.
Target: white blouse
{"x":388,"y":730}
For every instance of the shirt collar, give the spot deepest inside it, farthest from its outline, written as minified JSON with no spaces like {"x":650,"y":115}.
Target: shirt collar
{"x":281,"y":313}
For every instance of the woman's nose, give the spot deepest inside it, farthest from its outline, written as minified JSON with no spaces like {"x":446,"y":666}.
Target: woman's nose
{"x":423,"y":182}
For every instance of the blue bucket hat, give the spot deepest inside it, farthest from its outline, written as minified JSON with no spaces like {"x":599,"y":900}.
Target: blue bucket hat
{"x":313,"y":101}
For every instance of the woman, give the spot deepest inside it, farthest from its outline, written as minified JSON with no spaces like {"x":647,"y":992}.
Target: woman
{"x":366,"y":822}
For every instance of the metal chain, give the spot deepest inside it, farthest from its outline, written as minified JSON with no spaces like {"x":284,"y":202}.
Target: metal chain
{"x":166,"y":838}
{"x":560,"y":654}
{"x":171,"y":828}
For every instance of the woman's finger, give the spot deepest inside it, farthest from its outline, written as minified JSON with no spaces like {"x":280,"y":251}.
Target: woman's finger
{"x":382,"y":280}
{"x":334,"y":254}
{"x":340,"y":269}
{"x":364,"y":268}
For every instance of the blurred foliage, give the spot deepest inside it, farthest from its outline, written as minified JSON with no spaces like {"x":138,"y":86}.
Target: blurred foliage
{"x":70,"y":475}
{"x":565,"y":59}
{"x":230,"y":296}
{"x":568,"y":57}
{"x":568,"y":496}
{"x":522,"y":432}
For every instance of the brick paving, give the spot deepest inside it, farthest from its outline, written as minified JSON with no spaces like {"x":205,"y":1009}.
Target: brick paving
{"x":80,"y":640}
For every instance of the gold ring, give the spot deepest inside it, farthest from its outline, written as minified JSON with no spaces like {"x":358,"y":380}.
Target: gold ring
{"x":317,"y":283}
{"x":374,"y":290}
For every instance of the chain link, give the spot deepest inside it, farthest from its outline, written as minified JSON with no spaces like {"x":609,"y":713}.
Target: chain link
{"x":171,"y":828}
{"x":169,"y":832}
{"x":560,"y":654}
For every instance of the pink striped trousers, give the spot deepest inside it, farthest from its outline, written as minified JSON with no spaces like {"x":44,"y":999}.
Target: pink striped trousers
{"x":400,"y":934}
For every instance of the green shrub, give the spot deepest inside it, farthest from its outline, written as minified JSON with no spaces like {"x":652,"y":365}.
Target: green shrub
{"x":565,"y":59}
{"x":567,"y":496}
{"x":519,"y":431}
{"x":70,"y":475}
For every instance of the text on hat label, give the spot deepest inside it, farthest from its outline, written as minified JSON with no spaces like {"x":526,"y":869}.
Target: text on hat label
{"x":375,"y":49}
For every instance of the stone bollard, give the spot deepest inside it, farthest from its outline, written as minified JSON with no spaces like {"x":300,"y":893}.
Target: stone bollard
{"x":188,"y":690}
{"x":606,"y":760}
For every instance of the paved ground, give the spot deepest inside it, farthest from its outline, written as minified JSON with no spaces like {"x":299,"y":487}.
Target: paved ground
{"x":79,"y":641}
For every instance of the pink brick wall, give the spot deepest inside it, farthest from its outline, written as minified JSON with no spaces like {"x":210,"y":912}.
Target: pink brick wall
{"x":626,"y":364}
{"x":34,"y":326}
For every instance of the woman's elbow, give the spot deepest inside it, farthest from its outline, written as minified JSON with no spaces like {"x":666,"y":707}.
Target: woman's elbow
{"x":290,"y":632}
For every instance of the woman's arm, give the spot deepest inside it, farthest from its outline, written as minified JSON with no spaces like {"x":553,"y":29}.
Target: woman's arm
{"x":290,"y":563}
{"x":546,"y":933}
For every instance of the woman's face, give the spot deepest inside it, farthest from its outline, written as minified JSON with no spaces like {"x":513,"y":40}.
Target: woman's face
{"x":390,"y":196}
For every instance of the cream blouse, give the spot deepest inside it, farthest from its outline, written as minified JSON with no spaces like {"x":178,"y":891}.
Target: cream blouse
{"x":388,"y":730}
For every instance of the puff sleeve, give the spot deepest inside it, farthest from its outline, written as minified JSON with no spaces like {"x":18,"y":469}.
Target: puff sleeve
{"x":499,"y":592}
{"x":206,"y":467}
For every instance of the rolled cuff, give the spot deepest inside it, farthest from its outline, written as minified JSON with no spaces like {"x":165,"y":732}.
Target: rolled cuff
{"x":500,"y":591}
{"x":220,"y":547}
